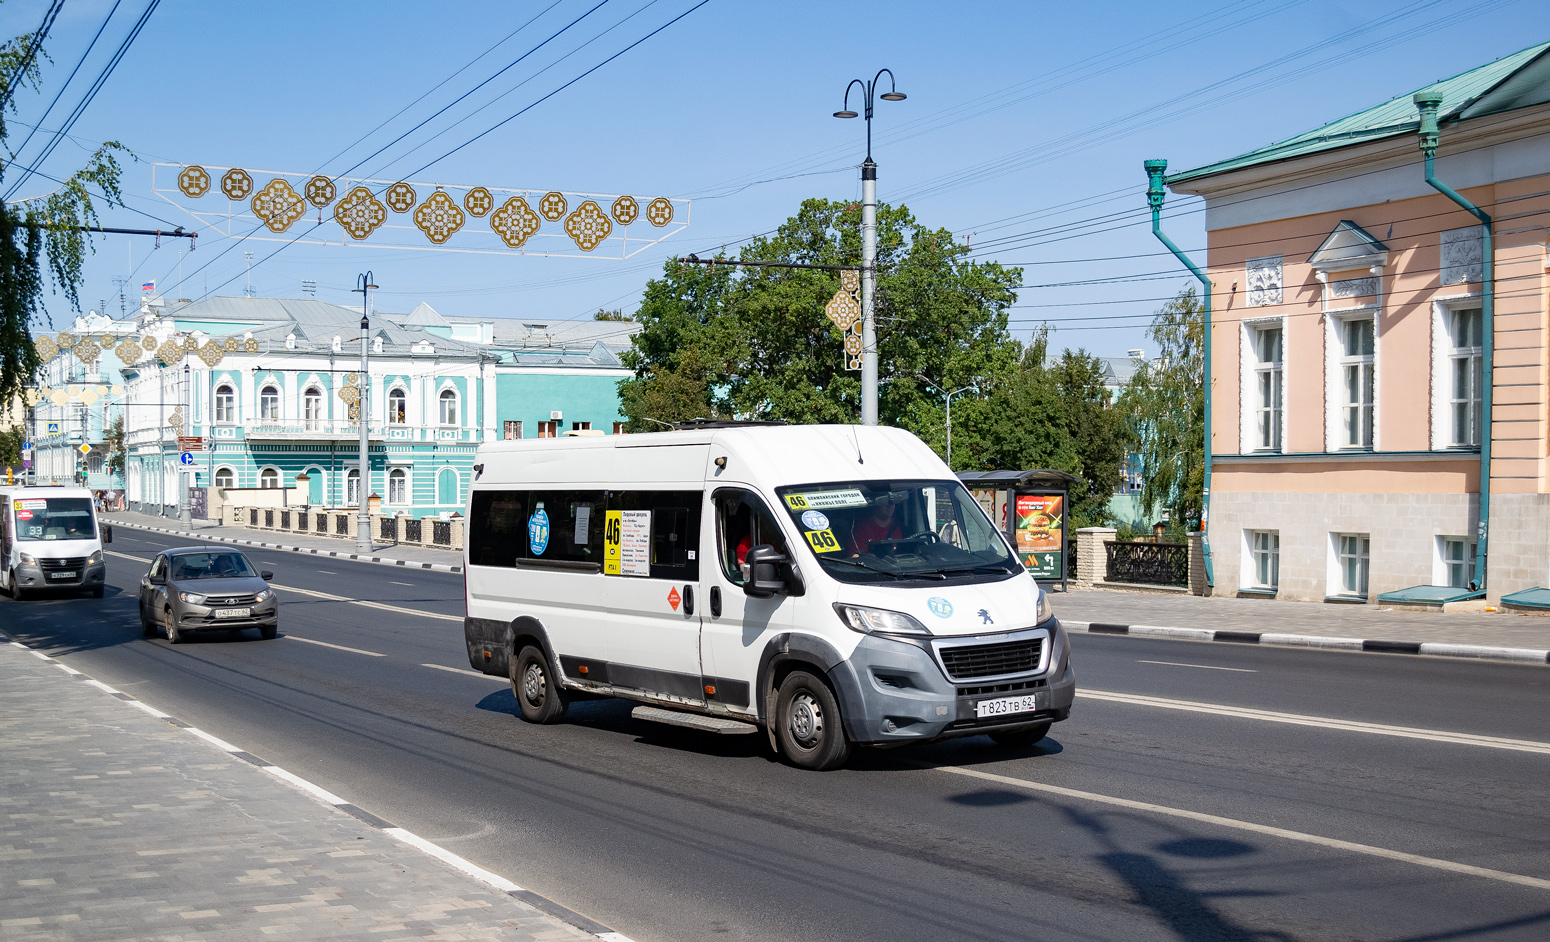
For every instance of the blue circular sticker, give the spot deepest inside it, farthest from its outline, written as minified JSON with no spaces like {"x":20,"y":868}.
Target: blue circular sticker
{"x":815,"y":520}
{"x":538,"y":532}
{"x":940,"y":607}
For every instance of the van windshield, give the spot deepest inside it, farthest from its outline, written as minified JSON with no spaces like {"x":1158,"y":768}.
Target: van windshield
{"x":885,"y":531}
{"x":53,"y":518}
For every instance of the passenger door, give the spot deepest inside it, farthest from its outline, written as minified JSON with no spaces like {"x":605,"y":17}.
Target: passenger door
{"x":736,"y":626}
{"x":652,"y":570}
{"x":152,"y":596}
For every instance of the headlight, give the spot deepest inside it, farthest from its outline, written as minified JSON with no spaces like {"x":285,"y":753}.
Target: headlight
{"x":94,"y":558}
{"x":26,"y":559}
{"x":263,"y":596}
{"x":1046,"y":610}
{"x":868,"y":620}
{"x":192,"y":598}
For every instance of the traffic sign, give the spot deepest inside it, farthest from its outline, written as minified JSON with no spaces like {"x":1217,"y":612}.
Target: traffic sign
{"x":85,"y":449}
{"x":191,"y":443}
{"x":26,"y":446}
{"x":26,"y":462}
{"x":53,"y":428}
{"x":186,"y":458}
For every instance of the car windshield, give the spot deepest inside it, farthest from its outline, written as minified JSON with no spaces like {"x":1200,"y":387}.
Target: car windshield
{"x":187,"y":566}
{"x":54,"y":518}
{"x":885,"y":531}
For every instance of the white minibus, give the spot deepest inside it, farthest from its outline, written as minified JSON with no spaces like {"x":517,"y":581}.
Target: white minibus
{"x":50,"y":539}
{"x":831,"y":585}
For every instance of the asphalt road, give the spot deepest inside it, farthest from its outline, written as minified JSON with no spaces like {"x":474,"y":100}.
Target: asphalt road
{"x":1145,"y":816}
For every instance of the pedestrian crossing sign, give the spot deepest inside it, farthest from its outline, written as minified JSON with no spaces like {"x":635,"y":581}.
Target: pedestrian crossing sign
{"x":53,"y":428}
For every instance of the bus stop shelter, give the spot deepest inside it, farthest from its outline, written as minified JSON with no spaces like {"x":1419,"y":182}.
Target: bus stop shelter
{"x":1030,"y":508}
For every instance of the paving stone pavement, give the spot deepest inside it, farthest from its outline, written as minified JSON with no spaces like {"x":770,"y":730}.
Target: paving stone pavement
{"x":116,"y":824}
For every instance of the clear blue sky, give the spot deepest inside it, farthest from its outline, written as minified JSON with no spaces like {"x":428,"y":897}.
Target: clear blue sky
{"x":1024,"y":122}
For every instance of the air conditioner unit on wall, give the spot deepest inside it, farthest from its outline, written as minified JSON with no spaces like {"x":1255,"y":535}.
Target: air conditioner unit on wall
{"x":556,"y":415}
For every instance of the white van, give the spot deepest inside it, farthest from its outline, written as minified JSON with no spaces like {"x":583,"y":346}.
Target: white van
{"x":832,"y":585}
{"x":50,"y":539}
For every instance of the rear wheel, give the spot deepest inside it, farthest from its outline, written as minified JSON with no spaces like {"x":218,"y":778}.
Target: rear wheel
{"x":808,"y":727}
{"x":147,"y":627}
{"x":1027,"y":736}
{"x":170,"y":623}
{"x":538,"y":693}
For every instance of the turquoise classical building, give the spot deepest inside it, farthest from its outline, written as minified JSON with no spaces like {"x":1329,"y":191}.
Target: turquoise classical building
{"x":268,"y":385}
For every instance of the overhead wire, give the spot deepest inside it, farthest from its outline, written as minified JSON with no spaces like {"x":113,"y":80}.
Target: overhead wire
{"x":68,"y":79}
{"x":39,"y":35}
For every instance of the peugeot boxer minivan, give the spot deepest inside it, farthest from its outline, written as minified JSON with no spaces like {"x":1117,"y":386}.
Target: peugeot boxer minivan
{"x":50,"y":540}
{"x":829,"y":585}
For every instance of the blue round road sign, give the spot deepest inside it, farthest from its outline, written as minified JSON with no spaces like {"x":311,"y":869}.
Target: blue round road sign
{"x":186,"y":458}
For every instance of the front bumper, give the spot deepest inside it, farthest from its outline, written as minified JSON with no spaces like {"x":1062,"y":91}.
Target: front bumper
{"x":33,"y":576}
{"x":901,"y":693}
{"x":203,"y":617}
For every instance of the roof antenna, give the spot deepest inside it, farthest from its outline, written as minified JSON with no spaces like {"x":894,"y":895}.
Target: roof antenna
{"x":857,"y":439}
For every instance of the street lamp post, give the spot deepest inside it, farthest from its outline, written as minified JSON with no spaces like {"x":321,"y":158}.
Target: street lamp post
{"x":869,"y":241}
{"x":185,"y":513}
{"x":364,"y":284}
{"x":949,"y":397}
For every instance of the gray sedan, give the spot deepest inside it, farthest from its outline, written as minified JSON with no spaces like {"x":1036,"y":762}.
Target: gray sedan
{"x":206,"y":588}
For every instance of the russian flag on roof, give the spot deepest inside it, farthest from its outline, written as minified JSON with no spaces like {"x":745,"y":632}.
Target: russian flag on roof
{"x":148,"y":286}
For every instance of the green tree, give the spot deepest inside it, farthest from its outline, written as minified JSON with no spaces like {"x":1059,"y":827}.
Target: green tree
{"x":1165,"y":407}
{"x":115,"y":442}
{"x":617,"y":314}
{"x":47,"y":228}
{"x":11,"y":447}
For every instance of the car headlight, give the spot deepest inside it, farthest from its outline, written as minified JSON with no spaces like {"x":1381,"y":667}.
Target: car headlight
{"x":1046,"y":610}
{"x":263,"y":596}
{"x":192,"y":598}
{"x":869,"y":620}
{"x":26,"y":559}
{"x":94,"y":558}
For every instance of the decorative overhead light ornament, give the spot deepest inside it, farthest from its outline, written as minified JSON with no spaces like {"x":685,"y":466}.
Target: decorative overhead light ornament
{"x":211,"y":353}
{"x":170,"y":352}
{"x":478,"y":201}
{"x":46,"y":347}
{"x":400,"y":197}
{"x":515,"y":222}
{"x":66,"y":340}
{"x":231,"y":344}
{"x":250,"y":345}
{"x":277,"y":205}
{"x":659,"y":212}
{"x":149,"y":343}
{"x":553,"y":206}
{"x":128,"y":352}
{"x":194,"y":181}
{"x":439,"y":217}
{"x":236,"y":184}
{"x":626,"y":210}
{"x":359,"y":213}
{"x":320,"y":191}
{"x":86,"y":351}
{"x":588,"y":226}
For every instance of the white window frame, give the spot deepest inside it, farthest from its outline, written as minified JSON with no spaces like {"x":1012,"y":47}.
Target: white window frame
{"x":441,"y":407}
{"x":268,"y":470}
{"x":352,"y":487}
{"x":226,"y":404}
{"x":269,"y":405}
{"x":508,"y":427}
{"x":1251,"y":373}
{"x":1257,"y":543}
{"x":1444,"y":355}
{"x":231,"y":474}
{"x":1339,"y":555}
{"x":401,"y":417}
{"x":1446,"y":566}
{"x":313,"y":420}
{"x":1337,"y":407}
{"x":400,"y":476}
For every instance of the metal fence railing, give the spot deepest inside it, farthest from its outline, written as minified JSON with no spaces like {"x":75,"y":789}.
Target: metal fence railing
{"x":441,"y":532}
{"x":1148,"y":563}
{"x":412,"y":531}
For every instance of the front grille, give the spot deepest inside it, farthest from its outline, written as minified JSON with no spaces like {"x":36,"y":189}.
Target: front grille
{"x":56,"y":565}
{"x":967,"y":661}
{"x":1014,"y":687}
{"x":227,"y":601}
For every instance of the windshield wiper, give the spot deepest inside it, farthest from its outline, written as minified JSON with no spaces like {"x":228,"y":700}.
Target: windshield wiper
{"x":1003,"y":568}
{"x":861,"y":565}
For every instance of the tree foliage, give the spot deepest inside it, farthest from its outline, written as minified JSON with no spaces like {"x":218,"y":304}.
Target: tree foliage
{"x":617,"y":314}
{"x":11,"y":447}
{"x":1165,"y":405}
{"x":42,"y":230}
{"x":114,"y":439}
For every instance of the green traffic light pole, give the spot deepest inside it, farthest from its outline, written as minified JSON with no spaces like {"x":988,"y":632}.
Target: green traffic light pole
{"x":1154,"y":198}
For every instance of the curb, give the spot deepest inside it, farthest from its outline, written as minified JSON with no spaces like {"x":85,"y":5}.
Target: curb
{"x":542,"y":903}
{"x":383,"y":560}
{"x":1376,"y":646}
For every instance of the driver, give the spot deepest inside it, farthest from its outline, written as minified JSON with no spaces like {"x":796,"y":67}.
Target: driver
{"x":878,"y":524}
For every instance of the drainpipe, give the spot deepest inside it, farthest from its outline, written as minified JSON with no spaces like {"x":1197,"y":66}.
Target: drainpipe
{"x":1428,"y":101}
{"x":1154,"y":196}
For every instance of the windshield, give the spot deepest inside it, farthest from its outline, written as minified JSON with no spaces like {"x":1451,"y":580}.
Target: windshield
{"x":54,"y":518}
{"x":210,"y":566}
{"x":884,"y":531}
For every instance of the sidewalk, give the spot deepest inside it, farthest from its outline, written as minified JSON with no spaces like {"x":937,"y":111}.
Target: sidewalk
{"x":1492,"y":635}
{"x":120,"y":822}
{"x":419,"y":557}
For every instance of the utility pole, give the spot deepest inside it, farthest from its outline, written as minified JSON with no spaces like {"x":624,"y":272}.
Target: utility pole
{"x":185,"y":514}
{"x":949,"y":397}
{"x":248,"y":291}
{"x":869,"y":242}
{"x":364,"y":284}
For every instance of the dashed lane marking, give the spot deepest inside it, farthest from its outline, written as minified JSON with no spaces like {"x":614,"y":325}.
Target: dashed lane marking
{"x":138,"y":559}
{"x":1208,"y":667}
{"x":336,"y":647}
{"x":409,"y":584}
{"x":377,"y":605}
{"x":1323,"y":722}
{"x":460,"y":670}
{"x":1235,"y":824}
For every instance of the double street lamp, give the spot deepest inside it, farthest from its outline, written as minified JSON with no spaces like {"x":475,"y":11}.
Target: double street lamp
{"x":869,"y":239}
{"x":949,"y":397}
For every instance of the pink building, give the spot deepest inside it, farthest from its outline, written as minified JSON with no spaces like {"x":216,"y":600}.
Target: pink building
{"x":1351,"y":373}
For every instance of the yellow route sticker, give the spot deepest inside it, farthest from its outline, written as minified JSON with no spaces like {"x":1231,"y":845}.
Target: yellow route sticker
{"x":613,"y":537}
{"x":796,"y":501}
{"x":822,"y":541}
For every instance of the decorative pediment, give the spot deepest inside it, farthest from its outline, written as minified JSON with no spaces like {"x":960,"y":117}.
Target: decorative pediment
{"x":1348,"y":247}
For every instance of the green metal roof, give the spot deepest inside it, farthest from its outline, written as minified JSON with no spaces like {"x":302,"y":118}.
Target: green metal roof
{"x":1529,"y":598}
{"x":1431,"y":595}
{"x":1471,"y":91}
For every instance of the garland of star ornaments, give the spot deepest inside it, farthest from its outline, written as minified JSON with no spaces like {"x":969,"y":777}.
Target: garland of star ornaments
{"x":87,"y":348}
{"x":359,"y":212}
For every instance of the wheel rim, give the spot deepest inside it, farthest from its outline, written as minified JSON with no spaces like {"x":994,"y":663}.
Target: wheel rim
{"x":806,"y":720}
{"x":533,"y":684}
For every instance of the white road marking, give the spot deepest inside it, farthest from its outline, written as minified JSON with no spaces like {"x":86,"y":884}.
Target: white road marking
{"x":442,"y":854}
{"x":409,"y":584}
{"x":217,"y":743}
{"x":100,"y":686}
{"x":138,"y":559}
{"x":149,"y":709}
{"x":386,"y":608}
{"x":305,"y":785}
{"x":336,"y":647}
{"x":1241,"y":670}
{"x":1368,"y":849}
{"x":328,"y":572}
{"x":459,"y":670}
{"x":1297,"y":719}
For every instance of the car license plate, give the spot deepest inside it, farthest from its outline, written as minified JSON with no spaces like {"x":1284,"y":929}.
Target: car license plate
{"x":63,"y":575}
{"x":1005,"y":705}
{"x":233,"y":612}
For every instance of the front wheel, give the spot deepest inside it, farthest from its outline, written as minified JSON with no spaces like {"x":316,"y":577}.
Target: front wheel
{"x":17,"y":592}
{"x":1018,"y":738}
{"x":269,"y":632}
{"x":537,"y":691}
{"x":96,"y":592}
{"x":808,"y":727}
{"x":147,"y":627}
{"x":174,"y":636}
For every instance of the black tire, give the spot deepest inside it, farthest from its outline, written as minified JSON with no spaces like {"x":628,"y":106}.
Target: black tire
{"x":96,"y":592}
{"x":538,"y":694}
{"x":170,"y":624}
{"x":808,"y":726}
{"x":17,"y":592}
{"x":1020,"y":738}
{"x":147,"y":627}
{"x":269,"y":632}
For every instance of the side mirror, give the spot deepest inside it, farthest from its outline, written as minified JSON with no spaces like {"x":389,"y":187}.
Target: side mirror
{"x":765,"y":578}
{"x":266,"y":575}
{"x":107,"y":534}
{"x":157,"y":580}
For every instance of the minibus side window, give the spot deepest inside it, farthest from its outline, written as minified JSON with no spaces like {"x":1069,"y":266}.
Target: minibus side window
{"x":497,"y":528}
{"x":742,"y":522}
{"x":675,"y":530}
{"x":576,"y":520}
